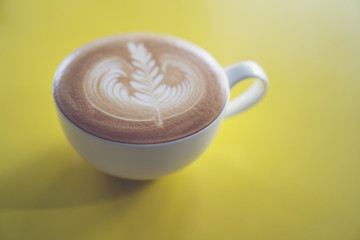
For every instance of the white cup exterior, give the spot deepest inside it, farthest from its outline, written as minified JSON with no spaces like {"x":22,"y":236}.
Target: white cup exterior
{"x":138,"y":161}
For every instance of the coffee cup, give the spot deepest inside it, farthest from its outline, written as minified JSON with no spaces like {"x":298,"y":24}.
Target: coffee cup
{"x":142,"y":105}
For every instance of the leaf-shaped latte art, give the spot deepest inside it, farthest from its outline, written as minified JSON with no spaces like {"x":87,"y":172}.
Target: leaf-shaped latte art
{"x":142,"y":90}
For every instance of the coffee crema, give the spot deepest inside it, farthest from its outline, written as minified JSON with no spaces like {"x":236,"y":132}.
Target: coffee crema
{"x":140,"y":88}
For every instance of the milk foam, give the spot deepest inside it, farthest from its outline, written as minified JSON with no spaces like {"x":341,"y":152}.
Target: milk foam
{"x":140,"y":90}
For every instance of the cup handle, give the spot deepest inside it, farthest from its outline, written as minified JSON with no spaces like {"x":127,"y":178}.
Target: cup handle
{"x":238,"y":72}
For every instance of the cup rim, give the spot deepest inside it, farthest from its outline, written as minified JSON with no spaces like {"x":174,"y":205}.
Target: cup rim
{"x":221,"y":71}
{"x":144,"y":145}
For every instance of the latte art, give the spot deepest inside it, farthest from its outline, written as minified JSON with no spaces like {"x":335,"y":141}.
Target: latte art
{"x":140,"y":88}
{"x":143,"y":90}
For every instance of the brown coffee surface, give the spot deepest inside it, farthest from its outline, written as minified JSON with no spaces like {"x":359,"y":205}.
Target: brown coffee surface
{"x":140,"y":88}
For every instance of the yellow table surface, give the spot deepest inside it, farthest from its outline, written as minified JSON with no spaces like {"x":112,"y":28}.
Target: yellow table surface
{"x":288,"y":169}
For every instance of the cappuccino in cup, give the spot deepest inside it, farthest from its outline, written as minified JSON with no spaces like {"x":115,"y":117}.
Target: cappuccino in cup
{"x":141,"y":105}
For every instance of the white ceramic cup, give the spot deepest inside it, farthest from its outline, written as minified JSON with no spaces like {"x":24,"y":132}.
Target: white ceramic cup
{"x":150,"y":161}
